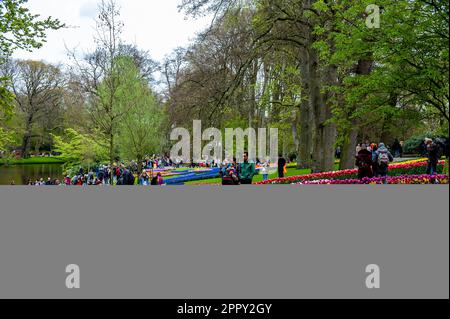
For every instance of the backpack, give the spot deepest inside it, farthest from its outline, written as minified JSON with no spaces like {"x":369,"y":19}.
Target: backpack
{"x":154,"y":181}
{"x":383,"y":159}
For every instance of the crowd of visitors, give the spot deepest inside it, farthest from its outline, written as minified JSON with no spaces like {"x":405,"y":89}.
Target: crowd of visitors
{"x":116,"y":174}
{"x":373,"y":160}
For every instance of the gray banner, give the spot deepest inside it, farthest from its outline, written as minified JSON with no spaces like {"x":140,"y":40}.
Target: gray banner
{"x":209,"y":242}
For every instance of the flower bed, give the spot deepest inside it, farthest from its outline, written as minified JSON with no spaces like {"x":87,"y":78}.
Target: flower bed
{"x":393,"y":180}
{"x":194,"y":176}
{"x":409,"y":168}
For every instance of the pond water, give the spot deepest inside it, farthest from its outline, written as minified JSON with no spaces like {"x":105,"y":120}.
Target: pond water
{"x":21,"y":174}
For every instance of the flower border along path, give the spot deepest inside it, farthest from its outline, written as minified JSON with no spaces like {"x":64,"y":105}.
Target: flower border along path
{"x":393,"y":180}
{"x":407,"y":168}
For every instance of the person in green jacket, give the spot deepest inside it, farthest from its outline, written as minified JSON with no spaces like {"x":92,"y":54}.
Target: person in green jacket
{"x":247,"y":171}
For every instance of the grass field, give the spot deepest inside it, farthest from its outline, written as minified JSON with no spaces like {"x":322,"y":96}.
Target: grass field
{"x":33,"y":160}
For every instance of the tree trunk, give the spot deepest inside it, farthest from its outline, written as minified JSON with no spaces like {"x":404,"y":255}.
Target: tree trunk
{"x":111,"y":155}
{"x":330,"y":130}
{"x":253,"y":105}
{"x":306,"y":133}
{"x":349,"y":149}
{"x":25,"y":145}
{"x":295,"y":129}
{"x":316,"y":105}
{"x":139,"y":163}
{"x":348,"y":154}
{"x":26,"y":137}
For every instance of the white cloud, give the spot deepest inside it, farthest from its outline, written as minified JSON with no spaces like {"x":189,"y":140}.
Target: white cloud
{"x":153,"y":25}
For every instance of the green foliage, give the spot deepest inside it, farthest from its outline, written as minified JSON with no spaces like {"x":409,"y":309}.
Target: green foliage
{"x":412,"y":145}
{"x":6,"y":139}
{"x":79,"y":149}
{"x":140,"y":127}
{"x":255,"y":67}
{"x":6,"y":113}
{"x":20,"y":29}
{"x":6,"y":100}
{"x":409,"y":51}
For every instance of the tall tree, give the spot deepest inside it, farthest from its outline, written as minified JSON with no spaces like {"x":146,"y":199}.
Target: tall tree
{"x":140,"y":127}
{"x":19,"y":29}
{"x":38,"y":88}
{"x":101,"y":77}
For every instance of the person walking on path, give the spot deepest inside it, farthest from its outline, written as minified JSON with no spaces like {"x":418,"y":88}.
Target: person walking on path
{"x":247,"y":171}
{"x":265,"y":171}
{"x":433,"y":156}
{"x":383,"y":157}
{"x":397,"y":148}
{"x":338,"y":152}
{"x":364,"y":163}
{"x":281,"y":166}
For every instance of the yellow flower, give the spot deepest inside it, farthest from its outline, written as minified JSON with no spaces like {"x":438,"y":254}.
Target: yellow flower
{"x":414,"y":161}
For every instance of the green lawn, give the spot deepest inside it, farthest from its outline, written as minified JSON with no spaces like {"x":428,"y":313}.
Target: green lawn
{"x":33,"y":160}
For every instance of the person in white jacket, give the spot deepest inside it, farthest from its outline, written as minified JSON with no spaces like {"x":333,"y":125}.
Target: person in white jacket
{"x":265,"y":171}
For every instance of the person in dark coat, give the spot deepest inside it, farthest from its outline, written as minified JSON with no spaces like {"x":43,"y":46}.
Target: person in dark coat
{"x":364,"y":163}
{"x":338,"y":152}
{"x":397,"y":148}
{"x":281,"y":164}
{"x":433,"y":156}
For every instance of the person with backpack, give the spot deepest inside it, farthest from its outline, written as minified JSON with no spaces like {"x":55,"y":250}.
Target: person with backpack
{"x":383,"y":158}
{"x":364,"y":163}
